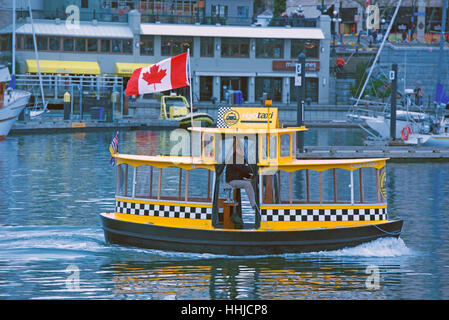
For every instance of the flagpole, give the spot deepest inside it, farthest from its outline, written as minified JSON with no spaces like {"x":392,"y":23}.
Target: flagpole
{"x":190,"y":86}
{"x":191,"y":104}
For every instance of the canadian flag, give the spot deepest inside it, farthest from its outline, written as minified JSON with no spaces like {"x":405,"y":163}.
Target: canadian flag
{"x":165,"y":75}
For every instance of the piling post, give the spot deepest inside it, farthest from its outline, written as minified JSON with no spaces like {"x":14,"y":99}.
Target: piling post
{"x":394,"y":86}
{"x":300,"y":91}
{"x":67,"y":105}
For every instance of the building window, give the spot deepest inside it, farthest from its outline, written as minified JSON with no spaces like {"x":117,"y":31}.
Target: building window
{"x":207,"y":47}
{"x":116,"y":46}
{"x":28,"y":42}
{"x":171,"y":46}
{"x":92,"y":45}
{"x":269,"y":48}
{"x":234,"y":48}
{"x":127,"y":46}
{"x":147,"y":45}
{"x":5,"y":42}
{"x":84,"y":4}
{"x":80,"y":45}
{"x":68,"y":44}
{"x":19,"y":44}
{"x":311,"y":48}
{"x":270,"y":86}
{"x":55,"y":44}
{"x":242,"y":12}
{"x":105,"y":45}
{"x":219,"y":10}
{"x":42,"y":43}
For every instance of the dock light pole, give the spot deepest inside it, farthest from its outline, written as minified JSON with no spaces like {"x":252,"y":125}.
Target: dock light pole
{"x":300,"y":82}
{"x":394,"y":85}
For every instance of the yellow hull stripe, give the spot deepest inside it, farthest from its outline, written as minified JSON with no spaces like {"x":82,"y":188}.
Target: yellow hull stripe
{"x":294,"y":225}
{"x":165,"y":222}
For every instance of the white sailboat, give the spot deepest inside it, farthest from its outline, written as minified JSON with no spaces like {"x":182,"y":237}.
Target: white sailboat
{"x":373,"y":116}
{"x":12,"y":102}
{"x":435,"y":130}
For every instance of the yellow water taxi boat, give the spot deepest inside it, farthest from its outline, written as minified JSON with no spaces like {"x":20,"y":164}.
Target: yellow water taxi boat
{"x":182,"y":203}
{"x":177,"y":108}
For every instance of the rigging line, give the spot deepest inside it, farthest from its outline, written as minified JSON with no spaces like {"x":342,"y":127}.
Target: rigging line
{"x":386,"y":232}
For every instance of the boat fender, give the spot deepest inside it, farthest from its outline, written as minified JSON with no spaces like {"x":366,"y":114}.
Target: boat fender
{"x":405,"y":133}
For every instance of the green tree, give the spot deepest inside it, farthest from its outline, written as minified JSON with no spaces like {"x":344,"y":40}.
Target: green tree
{"x":378,"y":85}
{"x":278,"y":8}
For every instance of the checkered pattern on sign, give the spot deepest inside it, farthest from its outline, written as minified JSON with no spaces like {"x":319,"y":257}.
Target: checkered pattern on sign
{"x":221,"y":112}
{"x":324,"y":214}
{"x":160,"y":210}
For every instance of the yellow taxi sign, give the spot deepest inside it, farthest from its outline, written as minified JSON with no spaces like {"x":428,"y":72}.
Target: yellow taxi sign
{"x":247,"y":118}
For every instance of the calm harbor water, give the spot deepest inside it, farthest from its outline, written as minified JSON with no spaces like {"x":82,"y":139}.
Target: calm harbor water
{"x":53,"y":187}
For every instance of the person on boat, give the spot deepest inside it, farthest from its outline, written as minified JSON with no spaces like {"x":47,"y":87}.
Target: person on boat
{"x":240,"y":175}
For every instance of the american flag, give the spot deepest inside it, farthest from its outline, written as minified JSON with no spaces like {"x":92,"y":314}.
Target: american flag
{"x":113,"y":148}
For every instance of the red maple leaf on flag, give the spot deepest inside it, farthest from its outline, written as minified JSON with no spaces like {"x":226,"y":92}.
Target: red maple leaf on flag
{"x":154,"y":76}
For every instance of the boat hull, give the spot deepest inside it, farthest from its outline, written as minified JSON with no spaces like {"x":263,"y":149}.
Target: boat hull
{"x":9,"y":113}
{"x":429,"y":140}
{"x":243,"y":242}
{"x":200,"y":119}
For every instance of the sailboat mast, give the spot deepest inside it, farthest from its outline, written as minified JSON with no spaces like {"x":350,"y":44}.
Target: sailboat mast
{"x":13,"y":37}
{"x":379,"y":51}
{"x":37,"y":55}
{"x":442,"y":41}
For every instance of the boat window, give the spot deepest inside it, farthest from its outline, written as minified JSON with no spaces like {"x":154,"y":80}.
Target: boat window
{"x":269,"y":146}
{"x":124,"y":180}
{"x":171,"y":183}
{"x":329,"y":186}
{"x":285,"y":145}
{"x":208,"y":145}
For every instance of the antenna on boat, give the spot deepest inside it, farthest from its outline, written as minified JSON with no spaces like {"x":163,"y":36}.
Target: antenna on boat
{"x":378,"y":52}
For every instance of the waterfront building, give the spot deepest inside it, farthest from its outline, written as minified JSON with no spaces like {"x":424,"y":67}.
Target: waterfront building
{"x":228,"y":52}
{"x":418,"y":20}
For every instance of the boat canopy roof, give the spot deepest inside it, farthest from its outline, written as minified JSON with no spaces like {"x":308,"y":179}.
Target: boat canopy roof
{"x":324,"y":164}
{"x":189,"y":163}
{"x":237,"y":131}
{"x":184,"y":162}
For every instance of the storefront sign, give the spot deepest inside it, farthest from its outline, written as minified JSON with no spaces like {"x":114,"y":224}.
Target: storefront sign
{"x":290,"y":65}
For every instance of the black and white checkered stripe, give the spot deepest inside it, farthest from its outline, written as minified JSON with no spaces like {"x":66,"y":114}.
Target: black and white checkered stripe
{"x":221,"y":112}
{"x":160,"y":210}
{"x":324,"y":214}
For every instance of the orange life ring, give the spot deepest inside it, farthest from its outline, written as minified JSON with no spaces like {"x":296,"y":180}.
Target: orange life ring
{"x":405,"y":132}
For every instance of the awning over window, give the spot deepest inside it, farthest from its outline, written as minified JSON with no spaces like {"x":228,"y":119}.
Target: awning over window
{"x":63,"y":67}
{"x":125,"y":69}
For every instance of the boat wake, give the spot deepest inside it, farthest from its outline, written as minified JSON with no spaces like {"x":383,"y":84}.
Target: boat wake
{"x":384,"y":247}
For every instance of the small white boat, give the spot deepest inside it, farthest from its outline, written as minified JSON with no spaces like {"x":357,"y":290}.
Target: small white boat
{"x":433,"y":133}
{"x":12,"y":102}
